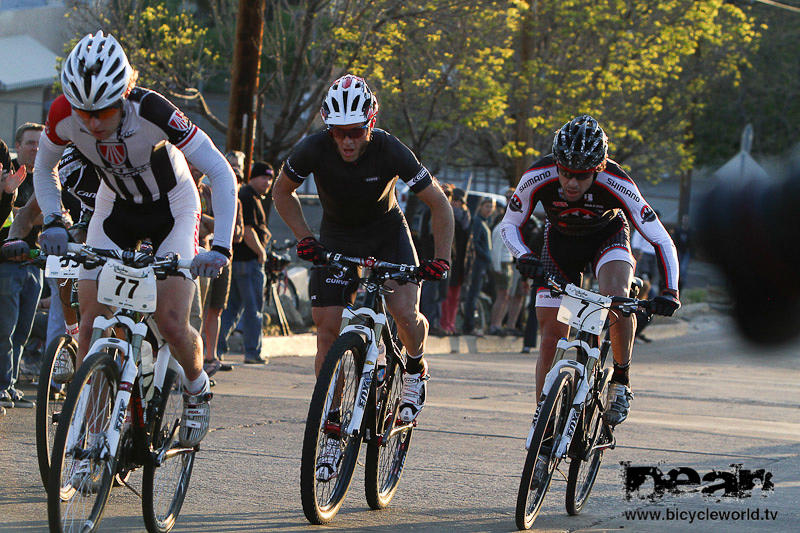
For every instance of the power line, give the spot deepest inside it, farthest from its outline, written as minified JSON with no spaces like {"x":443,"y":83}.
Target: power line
{"x":780,"y":5}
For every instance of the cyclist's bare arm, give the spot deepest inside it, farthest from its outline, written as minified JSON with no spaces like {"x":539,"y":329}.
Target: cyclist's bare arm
{"x":288,"y":205}
{"x":441,"y":219}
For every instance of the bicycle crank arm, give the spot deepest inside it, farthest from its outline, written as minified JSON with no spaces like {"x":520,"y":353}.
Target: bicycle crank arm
{"x":159,"y":457}
{"x":395,"y":430}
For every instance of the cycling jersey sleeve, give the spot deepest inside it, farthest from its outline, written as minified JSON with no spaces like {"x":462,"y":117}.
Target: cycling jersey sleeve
{"x":177,"y":127}
{"x":642,"y":216}
{"x":45,"y":176}
{"x":520,"y":207}
{"x":406,"y":165}
{"x":300,"y":163}
{"x":213,"y":164}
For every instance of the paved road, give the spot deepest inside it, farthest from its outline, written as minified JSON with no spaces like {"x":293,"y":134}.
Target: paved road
{"x":703,"y":401}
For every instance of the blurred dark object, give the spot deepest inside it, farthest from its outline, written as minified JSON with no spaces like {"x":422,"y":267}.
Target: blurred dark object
{"x":749,"y":231}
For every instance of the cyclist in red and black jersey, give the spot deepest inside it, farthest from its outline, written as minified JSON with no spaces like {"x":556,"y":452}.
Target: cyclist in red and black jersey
{"x":355,"y":167}
{"x":589,"y":201}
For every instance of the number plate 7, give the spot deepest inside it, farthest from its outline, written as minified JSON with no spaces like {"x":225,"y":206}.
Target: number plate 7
{"x":127,"y":287}
{"x":586,"y":316}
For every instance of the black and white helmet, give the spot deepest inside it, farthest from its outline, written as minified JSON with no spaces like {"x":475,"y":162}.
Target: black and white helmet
{"x":349,"y":101}
{"x":581,"y":144}
{"x":96,"y":73}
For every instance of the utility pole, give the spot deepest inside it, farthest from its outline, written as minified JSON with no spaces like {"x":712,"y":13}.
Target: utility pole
{"x":244,"y":79}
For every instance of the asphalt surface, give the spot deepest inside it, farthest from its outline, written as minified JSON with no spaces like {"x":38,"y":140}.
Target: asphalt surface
{"x":704,"y":400}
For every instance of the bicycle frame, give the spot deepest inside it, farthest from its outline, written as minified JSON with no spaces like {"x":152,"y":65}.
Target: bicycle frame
{"x":370,"y":363}
{"x":130,"y":368}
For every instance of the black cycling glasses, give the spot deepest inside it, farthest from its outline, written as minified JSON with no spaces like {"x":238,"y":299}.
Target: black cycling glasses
{"x":352,"y":133}
{"x":579,"y":175}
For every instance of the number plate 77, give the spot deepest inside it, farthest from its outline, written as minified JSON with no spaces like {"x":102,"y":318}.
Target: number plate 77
{"x":586,"y":316}
{"x":127,"y":287}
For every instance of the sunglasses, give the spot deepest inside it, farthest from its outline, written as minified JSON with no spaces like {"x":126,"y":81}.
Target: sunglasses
{"x":102,"y":114}
{"x":579,"y":175}
{"x":352,"y":133}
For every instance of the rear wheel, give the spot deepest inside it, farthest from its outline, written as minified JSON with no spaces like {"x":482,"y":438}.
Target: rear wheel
{"x":323,"y":489}
{"x":166,"y":475}
{"x":82,"y":472}
{"x":541,"y":461}
{"x":387,"y":450}
{"x":50,"y":400}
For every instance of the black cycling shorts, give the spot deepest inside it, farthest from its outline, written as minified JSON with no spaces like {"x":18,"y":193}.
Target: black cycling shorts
{"x":388,"y":241}
{"x":567,"y":256}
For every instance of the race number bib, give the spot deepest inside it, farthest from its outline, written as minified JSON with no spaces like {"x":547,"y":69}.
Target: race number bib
{"x":61,"y":267}
{"x":127,"y":287}
{"x":586,"y":316}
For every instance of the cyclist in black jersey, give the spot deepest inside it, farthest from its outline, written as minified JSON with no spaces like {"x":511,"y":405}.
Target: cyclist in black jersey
{"x":355,"y":167}
{"x":589,"y":201}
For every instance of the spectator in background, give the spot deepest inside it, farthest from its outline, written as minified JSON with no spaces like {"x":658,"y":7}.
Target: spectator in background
{"x":26,"y":143}
{"x":236,"y":159}
{"x":463,"y":221}
{"x":246,"y":298}
{"x":433,"y":292}
{"x":503,"y":275}
{"x":214,"y":291}
{"x":481,"y":236}
{"x":681,"y":237}
{"x":20,"y":287}
{"x":533,"y":237}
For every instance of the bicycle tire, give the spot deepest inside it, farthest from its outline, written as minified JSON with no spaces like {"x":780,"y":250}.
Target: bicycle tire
{"x":344,"y":361}
{"x":385,"y":460}
{"x":583,"y":473}
{"x":169,"y":404}
{"x":104,"y":374}
{"x":556,"y":406}
{"x":47,"y":408}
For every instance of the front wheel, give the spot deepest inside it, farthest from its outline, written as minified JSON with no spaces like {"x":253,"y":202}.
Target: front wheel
{"x":387,"y":450}
{"x":82,"y":469}
{"x":583,"y":473}
{"x":167,"y":472}
{"x":329,"y":454}
{"x":541,"y":461}
{"x":50,"y":400}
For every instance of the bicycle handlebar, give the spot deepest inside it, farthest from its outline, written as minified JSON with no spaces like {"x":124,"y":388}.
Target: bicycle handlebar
{"x":94,"y":257}
{"x":623,"y":303}
{"x":388,"y":270}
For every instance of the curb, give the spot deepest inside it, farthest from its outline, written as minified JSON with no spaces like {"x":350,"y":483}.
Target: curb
{"x":305,"y":345}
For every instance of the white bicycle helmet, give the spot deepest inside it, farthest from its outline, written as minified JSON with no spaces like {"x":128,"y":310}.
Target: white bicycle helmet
{"x":96,"y":73}
{"x":349,"y":101}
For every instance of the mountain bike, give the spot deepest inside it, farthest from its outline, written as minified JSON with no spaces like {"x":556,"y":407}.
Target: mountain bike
{"x":123,"y":408}
{"x":50,"y":395}
{"x":569,"y":422}
{"x":278,"y":285}
{"x":357,"y":398}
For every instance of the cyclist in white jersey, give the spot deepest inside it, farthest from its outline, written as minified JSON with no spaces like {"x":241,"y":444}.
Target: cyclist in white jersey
{"x":138,"y":140}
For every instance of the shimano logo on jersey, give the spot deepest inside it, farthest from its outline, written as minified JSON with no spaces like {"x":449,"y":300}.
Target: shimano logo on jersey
{"x":515,"y":204}
{"x":630,"y":194}
{"x":421,"y":175}
{"x":536,"y":179}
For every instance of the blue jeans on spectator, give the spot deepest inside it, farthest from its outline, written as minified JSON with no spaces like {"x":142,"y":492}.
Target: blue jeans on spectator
{"x":246,"y":300}
{"x":55,"y":315}
{"x":479,"y":269}
{"x":20,"y":288}
{"x":429,"y":303}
